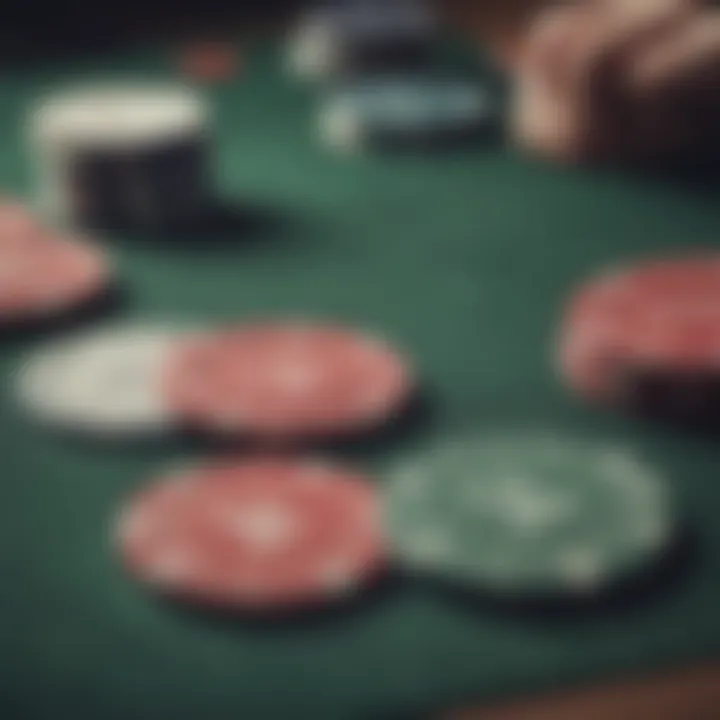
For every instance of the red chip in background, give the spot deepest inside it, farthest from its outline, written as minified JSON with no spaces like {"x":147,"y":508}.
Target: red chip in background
{"x":663,"y":315}
{"x":256,"y":533}
{"x":49,"y":275}
{"x":284,"y":380}
{"x":209,"y":61}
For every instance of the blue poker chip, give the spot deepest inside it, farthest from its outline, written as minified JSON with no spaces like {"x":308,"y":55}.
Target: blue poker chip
{"x":415,"y":110}
{"x":377,"y":18}
{"x":348,"y":39}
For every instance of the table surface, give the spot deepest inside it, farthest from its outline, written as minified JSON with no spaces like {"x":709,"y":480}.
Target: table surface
{"x":464,"y":259}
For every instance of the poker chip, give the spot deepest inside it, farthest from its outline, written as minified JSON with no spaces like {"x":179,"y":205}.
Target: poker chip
{"x":42,"y":275}
{"x":527,"y":513}
{"x":118,"y":114}
{"x":404,"y":111}
{"x":312,"y":51}
{"x":103,"y":382}
{"x":284,"y":380}
{"x":121,"y":155}
{"x":660,"y":318}
{"x":209,"y":61}
{"x":358,"y":39}
{"x":258,"y":533}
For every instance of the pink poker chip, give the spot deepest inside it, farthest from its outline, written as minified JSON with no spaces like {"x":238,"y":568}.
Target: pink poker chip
{"x":261,"y":533}
{"x":284,"y":381}
{"x":662,"y":315}
{"x":46,"y":275}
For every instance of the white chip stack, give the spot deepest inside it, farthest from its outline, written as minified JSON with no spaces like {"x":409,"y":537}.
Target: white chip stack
{"x":128,"y":156}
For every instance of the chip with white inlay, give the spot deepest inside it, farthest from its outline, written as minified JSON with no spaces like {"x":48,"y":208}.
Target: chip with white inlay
{"x":285,"y":380}
{"x":529,"y":513}
{"x":260,"y":533}
{"x":406,"y":111}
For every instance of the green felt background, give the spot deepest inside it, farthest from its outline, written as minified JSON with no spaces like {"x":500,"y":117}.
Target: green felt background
{"x":464,"y":259}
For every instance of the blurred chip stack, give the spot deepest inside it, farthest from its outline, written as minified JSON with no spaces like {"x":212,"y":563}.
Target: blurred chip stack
{"x":355,"y":38}
{"x":122,"y":156}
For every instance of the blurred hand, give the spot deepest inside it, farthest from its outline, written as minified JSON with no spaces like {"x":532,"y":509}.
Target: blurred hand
{"x":621,"y":81}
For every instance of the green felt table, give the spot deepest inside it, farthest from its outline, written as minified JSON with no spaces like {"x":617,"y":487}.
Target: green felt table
{"x":464,"y":259}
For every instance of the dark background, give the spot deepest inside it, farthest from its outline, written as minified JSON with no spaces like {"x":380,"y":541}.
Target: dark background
{"x":36,"y":29}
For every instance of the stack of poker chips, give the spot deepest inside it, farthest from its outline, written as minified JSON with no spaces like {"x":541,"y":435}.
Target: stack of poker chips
{"x":646,"y":338}
{"x":377,"y":62}
{"x":361,"y":37}
{"x":124,"y":156}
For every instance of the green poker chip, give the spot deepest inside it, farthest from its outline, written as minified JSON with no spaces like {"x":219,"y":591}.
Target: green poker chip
{"x":529,"y":513}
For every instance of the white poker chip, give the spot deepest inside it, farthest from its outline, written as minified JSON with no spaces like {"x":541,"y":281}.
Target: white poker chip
{"x":104,"y":382}
{"x":118,"y":115}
